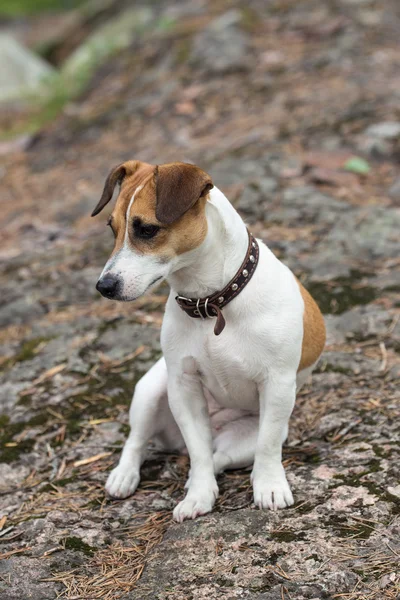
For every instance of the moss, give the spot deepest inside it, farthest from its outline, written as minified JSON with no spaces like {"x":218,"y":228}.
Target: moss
{"x":11,"y":453}
{"x":58,"y":483}
{"x":326,"y":367}
{"x":345,"y":529}
{"x":25,"y":400}
{"x":223,"y":581}
{"x":4,"y":421}
{"x":183,"y":51}
{"x":340,"y":294}
{"x":9,"y":430}
{"x":77,"y":545}
{"x":288,"y":536}
{"x":125,"y":429}
{"x":313,"y":459}
{"x":381,"y":452}
{"x":39,"y":419}
{"x":304,"y":507}
{"x":17,"y":8}
{"x":29,"y":349}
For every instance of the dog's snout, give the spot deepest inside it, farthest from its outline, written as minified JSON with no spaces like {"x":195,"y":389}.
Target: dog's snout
{"x":107,"y":286}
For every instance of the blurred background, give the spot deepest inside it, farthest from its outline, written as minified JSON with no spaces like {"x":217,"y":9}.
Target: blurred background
{"x":293,"y":107}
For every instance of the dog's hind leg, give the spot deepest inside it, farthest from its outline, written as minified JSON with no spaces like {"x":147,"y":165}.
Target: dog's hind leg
{"x":148,"y":416}
{"x":235,"y":444}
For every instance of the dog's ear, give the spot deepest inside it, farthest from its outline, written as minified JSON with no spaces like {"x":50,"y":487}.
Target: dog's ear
{"x":115,"y":176}
{"x":178,"y":187}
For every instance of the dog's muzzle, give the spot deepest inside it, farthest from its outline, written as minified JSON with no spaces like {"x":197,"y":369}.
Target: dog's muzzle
{"x":108,"y":286}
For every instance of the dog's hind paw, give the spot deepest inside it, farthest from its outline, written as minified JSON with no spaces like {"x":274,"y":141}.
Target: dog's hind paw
{"x":122,"y":482}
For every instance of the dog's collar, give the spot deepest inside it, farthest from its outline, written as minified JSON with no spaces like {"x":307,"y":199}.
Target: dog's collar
{"x":210,"y":307}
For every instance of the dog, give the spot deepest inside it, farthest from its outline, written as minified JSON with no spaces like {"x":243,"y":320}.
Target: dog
{"x":239,"y":337}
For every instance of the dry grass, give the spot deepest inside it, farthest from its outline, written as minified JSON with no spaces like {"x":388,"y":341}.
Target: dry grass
{"x":114,"y":571}
{"x":379,"y":577}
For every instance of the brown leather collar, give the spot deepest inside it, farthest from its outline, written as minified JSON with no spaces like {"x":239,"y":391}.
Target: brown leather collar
{"x":210,"y":307}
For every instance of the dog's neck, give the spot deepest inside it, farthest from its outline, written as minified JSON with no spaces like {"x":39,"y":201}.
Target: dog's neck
{"x":208,"y":268}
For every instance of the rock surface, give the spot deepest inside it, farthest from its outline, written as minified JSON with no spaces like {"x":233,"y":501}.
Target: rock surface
{"x":21,"y":71}
{"x":70,"y":359}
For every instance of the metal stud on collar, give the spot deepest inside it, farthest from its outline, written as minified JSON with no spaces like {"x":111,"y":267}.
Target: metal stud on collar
{"x":245,"y":272}
{"x":235,"y":287}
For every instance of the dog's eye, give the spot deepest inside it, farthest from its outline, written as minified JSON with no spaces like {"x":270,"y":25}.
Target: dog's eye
{"x":144,"y":231}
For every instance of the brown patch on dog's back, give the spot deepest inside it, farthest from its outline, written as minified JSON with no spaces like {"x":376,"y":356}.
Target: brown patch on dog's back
{"x":314,"y":334}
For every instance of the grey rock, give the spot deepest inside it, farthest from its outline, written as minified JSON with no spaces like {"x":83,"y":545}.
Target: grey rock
{"x":250,"y":204}
{"x":267,"y":185}
{"x":387,"y":130}
{"x":11,"y":477}
{"x":21,"y":71}
{"x":24,"y":575}
{"x":19,"y":312}
{"x":222,"y":47}
{"x":394,"y":190}
{"x":307,"y":205}
{"x":361,"y":322}
{"x":366,"y":235}
{"x":118,"y":33}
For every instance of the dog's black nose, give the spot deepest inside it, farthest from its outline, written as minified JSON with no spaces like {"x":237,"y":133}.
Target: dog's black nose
{"x":107,"y":286}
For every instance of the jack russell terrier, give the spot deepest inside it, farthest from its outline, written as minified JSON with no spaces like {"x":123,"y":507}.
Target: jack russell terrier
{"x":240,"y":334}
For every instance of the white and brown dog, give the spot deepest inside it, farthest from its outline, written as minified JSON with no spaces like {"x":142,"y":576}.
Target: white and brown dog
{"x":247,"y":338}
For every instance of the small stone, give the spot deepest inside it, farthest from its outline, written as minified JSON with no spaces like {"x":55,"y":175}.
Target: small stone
{"x":387,"y":130}
{"x":20,"y":69}
{"x":222,"y":47}
{"x":267,"y":185}
{"x":394,"y":190}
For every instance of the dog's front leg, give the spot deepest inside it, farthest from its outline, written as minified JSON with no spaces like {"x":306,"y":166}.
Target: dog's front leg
{"x":144,"y":416}
{"x":190,"y":410}
{"x":277,"y":397}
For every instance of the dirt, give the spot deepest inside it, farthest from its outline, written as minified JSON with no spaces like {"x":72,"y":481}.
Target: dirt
{"x":272,"y":99}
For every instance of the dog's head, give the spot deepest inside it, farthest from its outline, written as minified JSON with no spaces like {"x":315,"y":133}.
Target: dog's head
{"x":159,"y":215}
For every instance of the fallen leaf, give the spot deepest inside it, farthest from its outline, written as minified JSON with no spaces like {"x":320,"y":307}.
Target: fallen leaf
{"x":357,"y":165}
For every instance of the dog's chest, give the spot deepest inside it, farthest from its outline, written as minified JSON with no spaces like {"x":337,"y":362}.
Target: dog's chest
{"x":225,"y":373}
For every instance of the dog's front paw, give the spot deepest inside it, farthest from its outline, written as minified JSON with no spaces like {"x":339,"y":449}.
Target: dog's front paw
{"x":271,"y":490}
{"x":122,"y":482}
{"x":195,"y":504}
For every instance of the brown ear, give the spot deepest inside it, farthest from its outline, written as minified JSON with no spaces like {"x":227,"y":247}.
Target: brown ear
{"x":116,"y":175}
{"x":178,"y":187}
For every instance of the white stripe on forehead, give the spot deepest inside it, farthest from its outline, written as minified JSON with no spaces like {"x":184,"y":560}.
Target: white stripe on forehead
{"x":140,"y":187}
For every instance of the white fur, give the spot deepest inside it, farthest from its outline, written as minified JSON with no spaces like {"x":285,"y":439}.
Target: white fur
{"x":230,"y":395}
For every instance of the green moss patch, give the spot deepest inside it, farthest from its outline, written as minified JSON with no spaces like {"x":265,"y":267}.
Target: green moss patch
{"x":77,"y":545}
{"x":339,"y":295}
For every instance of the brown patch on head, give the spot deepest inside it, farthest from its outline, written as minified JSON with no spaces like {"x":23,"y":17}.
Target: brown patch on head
{"x":172,"y":197}
{"x":178,"y":187}
{"x":314,"y":335}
